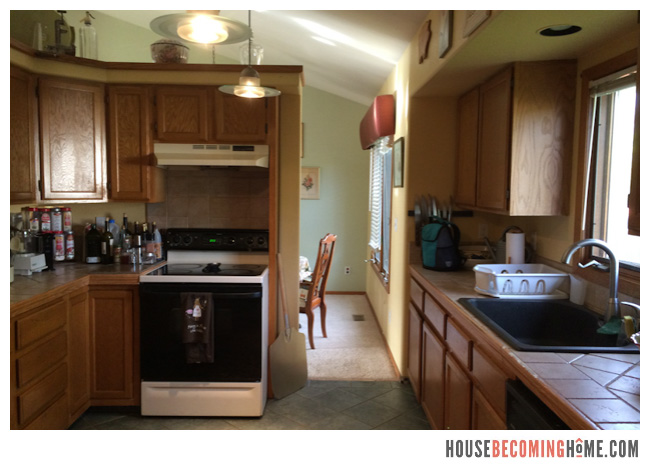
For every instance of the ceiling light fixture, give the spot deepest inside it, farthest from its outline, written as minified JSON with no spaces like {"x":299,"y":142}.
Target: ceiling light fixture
{"x":249,"y":80}
{"x":201,"y":26}
{"x":559,"y":30}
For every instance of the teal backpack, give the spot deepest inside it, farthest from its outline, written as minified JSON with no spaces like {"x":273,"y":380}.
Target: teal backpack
{"x":440,"y":240}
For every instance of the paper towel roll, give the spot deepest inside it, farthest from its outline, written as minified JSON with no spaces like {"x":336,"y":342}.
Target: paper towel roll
{"x":515,"y":248}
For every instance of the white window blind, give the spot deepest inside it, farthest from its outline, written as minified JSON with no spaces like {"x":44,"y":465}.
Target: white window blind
{"x":376,"y":165}
{"x":376,"y":185}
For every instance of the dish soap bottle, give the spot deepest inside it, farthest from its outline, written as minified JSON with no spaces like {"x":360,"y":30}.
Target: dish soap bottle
{"x":88,"y":38}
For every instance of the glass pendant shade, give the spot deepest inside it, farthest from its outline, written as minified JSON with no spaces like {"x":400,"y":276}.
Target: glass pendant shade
{"x":249,"y":80}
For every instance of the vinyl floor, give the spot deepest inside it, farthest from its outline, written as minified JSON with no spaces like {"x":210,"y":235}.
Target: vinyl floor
{"x":320,"y":405}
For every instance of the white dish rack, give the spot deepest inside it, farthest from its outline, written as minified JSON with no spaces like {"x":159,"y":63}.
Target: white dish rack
{"x":533,"y":281}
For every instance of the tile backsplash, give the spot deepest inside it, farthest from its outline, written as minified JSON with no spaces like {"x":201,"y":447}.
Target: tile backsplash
{"x":202,"y":197}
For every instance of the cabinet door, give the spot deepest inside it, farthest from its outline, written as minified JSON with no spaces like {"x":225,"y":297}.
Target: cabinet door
{"x":182,"y":114}
{"x":23,"y":135}
{"x":72,"y":140}
{"x":468,"y":115}
{"x":78,"y":356}
{"x":112,"y":346}
{"x":240,"y":120}
{"x":415,"y":349}
{"x":433,"y":377}
{"x":130,"y":145}
{"x":493,"y":176}
{"x":458,"y":392}
{"x":483,"y":415}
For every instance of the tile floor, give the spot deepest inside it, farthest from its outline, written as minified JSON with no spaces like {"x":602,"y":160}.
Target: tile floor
{"x":324,"y":405}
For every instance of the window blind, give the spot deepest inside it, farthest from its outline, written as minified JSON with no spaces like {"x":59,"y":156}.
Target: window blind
{"x":376,"y":180}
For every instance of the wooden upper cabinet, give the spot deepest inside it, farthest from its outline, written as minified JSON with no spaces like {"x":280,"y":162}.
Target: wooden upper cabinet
{"x":182,"y":114}
{"x":133,"y":174}
{"x":468,"y":109}
{"x":71,"y":117}
{"x":494,"y":143}
{"x":240,"y":120}
{"x":524,"y":140}
{"x":202,"y":114}
{"x":23,"y":134}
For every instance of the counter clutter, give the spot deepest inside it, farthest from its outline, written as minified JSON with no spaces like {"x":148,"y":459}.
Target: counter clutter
{"x":587,"y":391}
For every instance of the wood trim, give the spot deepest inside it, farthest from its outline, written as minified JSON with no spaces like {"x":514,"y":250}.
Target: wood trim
{"x":340,"y":292}
{"x":236,"y":68}
{"x":629,"y":281}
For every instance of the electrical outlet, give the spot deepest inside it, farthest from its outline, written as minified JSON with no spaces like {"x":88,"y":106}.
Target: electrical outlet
{"x":347,"y":270}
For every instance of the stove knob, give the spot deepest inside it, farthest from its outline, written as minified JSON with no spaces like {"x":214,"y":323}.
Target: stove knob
{"x":261,"y":241}
{"x":187,"y":240}
{"x":232,"y":241}
{"x":250,"y":241}
{"x":176,"y":239}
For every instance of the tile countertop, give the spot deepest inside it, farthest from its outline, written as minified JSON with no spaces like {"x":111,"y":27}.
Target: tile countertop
{"x":69,"y":276}
{"x":601,"y":391}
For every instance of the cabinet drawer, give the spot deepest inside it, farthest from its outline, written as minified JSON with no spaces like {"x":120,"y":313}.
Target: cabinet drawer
{"x":435,"y":314}
{"x":36,"y":399}
{"x":38,"y":325}
{"x":459,"y":344}
{"x":491,"y":380}
{"x":55,"y":417}
{"x":416,"y":294}
{"x":40,"y":359}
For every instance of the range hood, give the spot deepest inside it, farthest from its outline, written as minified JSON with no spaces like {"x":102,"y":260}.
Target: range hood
{"x":212,"y":154}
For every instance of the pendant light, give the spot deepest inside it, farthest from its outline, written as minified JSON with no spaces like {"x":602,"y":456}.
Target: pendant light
{"x":201,"y":26}
{"x":249,"y":80}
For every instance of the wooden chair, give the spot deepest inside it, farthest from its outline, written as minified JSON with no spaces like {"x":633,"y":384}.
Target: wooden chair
{"x":315,"y":297}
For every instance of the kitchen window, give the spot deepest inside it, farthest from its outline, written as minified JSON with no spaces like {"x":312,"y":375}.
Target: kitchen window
{"x":379,"y":206}
{"x":609,"y":182}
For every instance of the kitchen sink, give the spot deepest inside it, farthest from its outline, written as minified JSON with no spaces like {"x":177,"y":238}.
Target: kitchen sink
{"x":545,"y":325}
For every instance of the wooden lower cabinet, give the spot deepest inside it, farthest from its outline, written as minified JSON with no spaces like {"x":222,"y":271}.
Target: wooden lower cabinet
{"x":78,"y":356}
{"x":113,"y":346}
{"x":38,"y":366}
{"x":460,"y":383}
{"x":433,"y":377}
{"x":415,"y":350}
{"x":483,"y":414}
{"x":458,"y":393}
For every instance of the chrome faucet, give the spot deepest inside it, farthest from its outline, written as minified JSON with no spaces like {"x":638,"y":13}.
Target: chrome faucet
{"x":613,"y":306}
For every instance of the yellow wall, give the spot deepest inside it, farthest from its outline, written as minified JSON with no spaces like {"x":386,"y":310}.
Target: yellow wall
{"x":429,"y":128}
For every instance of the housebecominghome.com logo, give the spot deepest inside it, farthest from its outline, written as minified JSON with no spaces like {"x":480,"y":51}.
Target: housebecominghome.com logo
{"x":542,"y":448}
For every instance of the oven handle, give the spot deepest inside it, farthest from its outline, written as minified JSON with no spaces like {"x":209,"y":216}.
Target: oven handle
{"x":237,"y":295}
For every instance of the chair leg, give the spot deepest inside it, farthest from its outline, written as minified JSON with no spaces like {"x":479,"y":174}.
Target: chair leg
{"x":310,"y":327}
{"x":323,"y":314}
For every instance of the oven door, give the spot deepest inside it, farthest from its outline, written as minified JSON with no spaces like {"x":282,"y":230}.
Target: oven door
{"x":237,"y":333}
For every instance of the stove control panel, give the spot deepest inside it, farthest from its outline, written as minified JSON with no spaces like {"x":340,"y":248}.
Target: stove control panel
{"x":217,"y":239}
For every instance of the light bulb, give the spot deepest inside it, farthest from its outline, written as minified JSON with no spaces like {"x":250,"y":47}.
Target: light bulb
{"x":204,"y":30}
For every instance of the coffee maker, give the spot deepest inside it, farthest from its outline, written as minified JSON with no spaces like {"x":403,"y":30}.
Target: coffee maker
{"x":26,"y":248}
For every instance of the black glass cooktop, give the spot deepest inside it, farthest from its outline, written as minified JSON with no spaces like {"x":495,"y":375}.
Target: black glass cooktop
{"x":210,"y":269}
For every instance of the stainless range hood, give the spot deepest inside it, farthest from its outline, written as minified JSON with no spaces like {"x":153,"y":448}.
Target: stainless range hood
{"x":212,"y":154}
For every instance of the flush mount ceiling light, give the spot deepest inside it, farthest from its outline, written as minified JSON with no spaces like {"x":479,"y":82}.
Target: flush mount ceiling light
{"x":559,"y":30}
{"x":249,"y":80}
{"x":203,"y":27}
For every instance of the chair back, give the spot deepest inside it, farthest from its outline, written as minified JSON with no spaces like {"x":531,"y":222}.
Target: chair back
{"x":322,"y":269}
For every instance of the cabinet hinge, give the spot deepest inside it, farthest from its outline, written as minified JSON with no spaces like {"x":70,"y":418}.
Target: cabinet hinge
{"x":266,"y":128}
{"x":36,"y":90}
{"x":108,"y":186}
{"x":507,"y":194}
{"x":40,"y":187}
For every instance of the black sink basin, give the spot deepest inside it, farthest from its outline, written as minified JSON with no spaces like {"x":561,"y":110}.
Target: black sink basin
{"x":545,"y":325}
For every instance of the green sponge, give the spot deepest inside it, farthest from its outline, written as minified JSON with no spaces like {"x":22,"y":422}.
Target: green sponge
{"x":612,"y":327}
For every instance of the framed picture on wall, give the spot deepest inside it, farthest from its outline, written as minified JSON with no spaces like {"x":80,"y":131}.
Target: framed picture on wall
{"x":444,"y":36}
{"x":310,"y":183}
{"x":398,"y":163}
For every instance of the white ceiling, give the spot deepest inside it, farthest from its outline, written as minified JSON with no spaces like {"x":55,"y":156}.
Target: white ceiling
{"x":348,"y":53}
